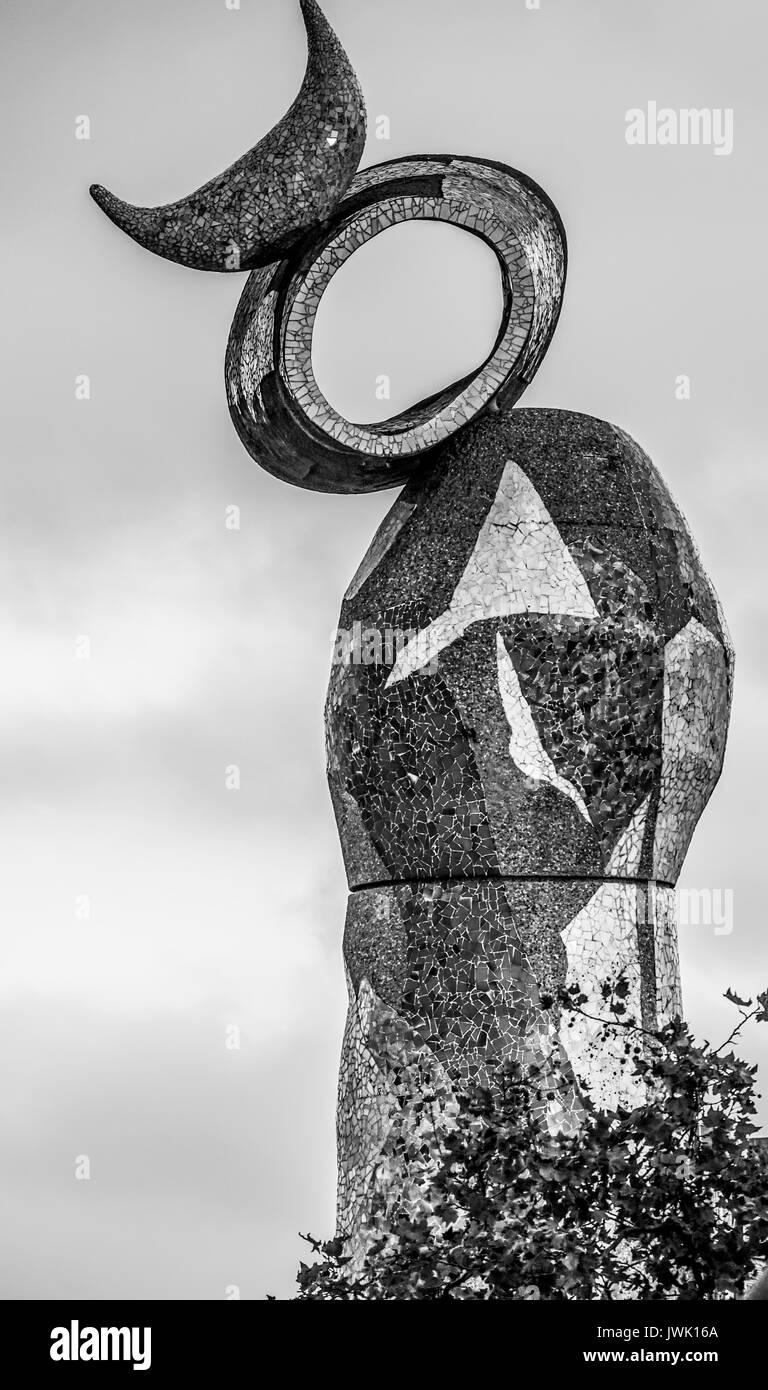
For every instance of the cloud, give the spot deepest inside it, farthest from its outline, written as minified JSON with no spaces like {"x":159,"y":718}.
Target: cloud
{"x":204,"y":1163}
{"x":211,"y":647}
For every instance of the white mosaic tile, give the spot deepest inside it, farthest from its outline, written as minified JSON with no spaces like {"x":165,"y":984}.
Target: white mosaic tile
{"x":525,"y":746}
{"x":602,"y":945}
{"x":695,"y":718}
{"x":520,"y":564}
{"x":625,"y":858}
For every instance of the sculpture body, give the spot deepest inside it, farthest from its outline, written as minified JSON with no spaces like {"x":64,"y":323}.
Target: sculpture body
{"x":524,"y":724}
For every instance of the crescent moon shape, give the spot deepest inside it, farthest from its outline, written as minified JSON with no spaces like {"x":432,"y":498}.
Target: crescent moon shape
{"x":259,"y":208}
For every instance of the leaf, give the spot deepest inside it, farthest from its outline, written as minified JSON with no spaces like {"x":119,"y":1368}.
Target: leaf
{"x":668,"y":1200}
{"x":735,"y":999}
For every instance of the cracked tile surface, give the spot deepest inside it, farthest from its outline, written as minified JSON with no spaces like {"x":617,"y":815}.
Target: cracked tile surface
{"x":277,"y":407}
{"x":525,"y":797}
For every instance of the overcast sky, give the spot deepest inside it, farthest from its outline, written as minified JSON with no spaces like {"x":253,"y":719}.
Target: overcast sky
{"x":213,"y":909}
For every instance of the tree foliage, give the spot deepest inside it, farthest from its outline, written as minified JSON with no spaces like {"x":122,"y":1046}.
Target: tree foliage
{"x":475,"y":1198}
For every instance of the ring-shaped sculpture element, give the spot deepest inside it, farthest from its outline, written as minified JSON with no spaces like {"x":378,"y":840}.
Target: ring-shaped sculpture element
{"x":279,"y":412}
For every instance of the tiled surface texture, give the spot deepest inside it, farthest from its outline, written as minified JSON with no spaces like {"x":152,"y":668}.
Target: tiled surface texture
{"x":522,"y":731}
{"x":276,"y":405}
{"x":264,"y":204}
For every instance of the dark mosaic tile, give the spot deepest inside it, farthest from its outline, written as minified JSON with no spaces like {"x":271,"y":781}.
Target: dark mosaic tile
{"x":264,"y":204}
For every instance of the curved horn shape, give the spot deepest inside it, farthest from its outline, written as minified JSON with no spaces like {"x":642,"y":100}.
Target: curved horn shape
{"x":261,"y":206}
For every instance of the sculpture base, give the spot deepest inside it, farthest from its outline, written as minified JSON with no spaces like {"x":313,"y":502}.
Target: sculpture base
{"x":470,"y":974}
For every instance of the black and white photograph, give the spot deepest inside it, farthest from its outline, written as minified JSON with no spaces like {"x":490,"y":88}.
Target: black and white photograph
{"x":384,"y":603}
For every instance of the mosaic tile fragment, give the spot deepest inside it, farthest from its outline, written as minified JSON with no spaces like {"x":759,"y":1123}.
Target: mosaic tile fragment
{"x":695,"y":714}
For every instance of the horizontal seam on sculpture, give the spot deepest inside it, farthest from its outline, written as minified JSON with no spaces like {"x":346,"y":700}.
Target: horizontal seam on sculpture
{"x":513,"y":878}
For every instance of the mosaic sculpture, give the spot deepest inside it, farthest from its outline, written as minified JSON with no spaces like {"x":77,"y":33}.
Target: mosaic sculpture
{"x":529,"y":702}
